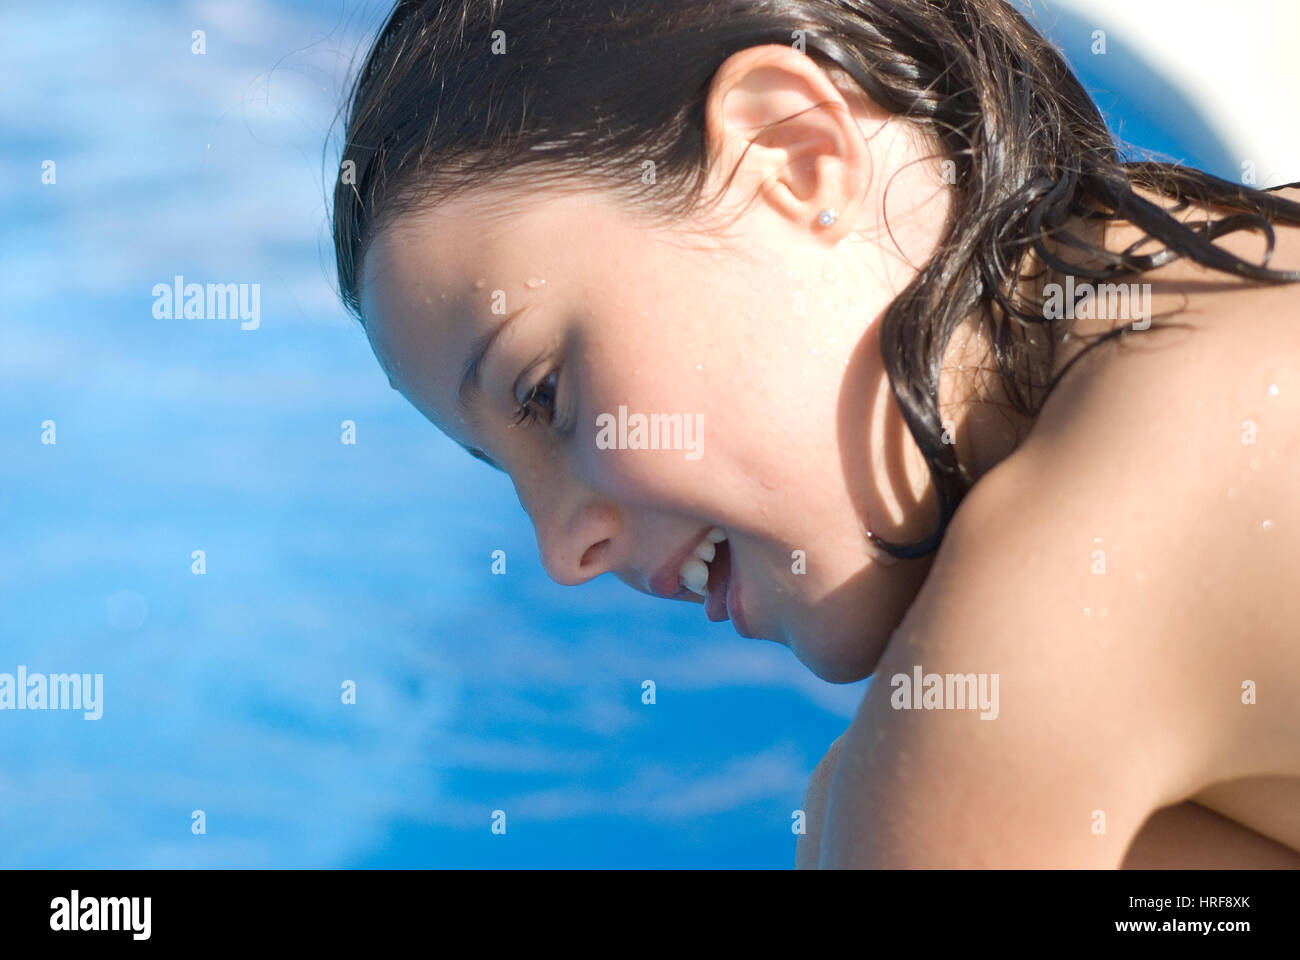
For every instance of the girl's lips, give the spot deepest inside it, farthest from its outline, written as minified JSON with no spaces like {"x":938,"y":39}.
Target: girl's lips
{"x":724,"y":602}
{"x":737,"y":611}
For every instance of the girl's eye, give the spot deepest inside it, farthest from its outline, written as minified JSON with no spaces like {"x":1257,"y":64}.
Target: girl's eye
{"x":540,"y":401}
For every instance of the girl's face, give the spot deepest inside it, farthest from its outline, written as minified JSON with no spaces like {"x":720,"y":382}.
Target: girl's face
{"x":595,"y":316}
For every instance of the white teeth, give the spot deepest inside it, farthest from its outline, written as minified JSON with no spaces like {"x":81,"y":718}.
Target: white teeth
{"x":695,"y":571}
{"x":695,"y":576}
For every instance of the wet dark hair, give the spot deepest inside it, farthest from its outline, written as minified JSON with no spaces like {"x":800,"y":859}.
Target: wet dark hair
{"x":590,"y":89}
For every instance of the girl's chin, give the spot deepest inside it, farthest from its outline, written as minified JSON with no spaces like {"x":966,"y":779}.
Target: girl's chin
{"x":836,"y":655}
{"x":845,"y":668}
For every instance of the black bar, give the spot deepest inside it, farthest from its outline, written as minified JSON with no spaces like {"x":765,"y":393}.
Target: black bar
{"x":301,"y":908}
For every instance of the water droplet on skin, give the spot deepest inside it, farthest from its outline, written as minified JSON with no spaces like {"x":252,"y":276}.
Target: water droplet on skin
{"x":1266,"y":525}
{"x":1087,"y":611}
{"x":480,"y":283}
{"x":1273,"y":390}
{"x":532,"y":283}
{"x":814,"y":351}
{"x":699,"y":366}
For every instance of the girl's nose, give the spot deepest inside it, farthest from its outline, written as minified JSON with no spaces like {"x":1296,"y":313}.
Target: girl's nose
{"x":578,"y":532}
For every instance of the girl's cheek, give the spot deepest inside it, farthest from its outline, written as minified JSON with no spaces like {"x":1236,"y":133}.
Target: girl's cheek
{"x":652,"y":478}
{"x":623,"y":442}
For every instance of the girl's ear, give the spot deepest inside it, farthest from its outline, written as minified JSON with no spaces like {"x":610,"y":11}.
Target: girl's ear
{"x":777,"y":128}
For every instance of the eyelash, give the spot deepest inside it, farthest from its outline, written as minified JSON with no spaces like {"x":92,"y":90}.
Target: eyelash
{"x":526,"y":414}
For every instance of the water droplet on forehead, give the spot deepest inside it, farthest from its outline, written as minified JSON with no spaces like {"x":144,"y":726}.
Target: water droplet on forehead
{"x":532,"y":283}
{"x":1273,"y":390}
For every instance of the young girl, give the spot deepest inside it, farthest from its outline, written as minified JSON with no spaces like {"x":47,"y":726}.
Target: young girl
{"x":848,"y":322}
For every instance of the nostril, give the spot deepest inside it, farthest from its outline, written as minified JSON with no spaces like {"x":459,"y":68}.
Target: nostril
{"x":594,"y":555}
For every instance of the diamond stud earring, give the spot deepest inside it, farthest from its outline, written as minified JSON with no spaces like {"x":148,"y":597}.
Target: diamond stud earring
{"x":826,"y":217}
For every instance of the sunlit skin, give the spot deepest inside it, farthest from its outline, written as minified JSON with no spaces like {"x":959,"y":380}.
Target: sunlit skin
{"x":765,"y":322}
{"x":762,"y":321}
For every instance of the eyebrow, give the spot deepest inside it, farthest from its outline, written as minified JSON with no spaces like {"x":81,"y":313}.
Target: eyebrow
{"x":470,"y":386}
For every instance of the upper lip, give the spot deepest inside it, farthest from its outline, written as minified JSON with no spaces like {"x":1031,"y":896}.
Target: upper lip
{"x":666,"y":580}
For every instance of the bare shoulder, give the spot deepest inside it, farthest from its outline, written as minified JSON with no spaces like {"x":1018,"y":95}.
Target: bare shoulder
{"x":1011,"y":723}
{"x":1076,"y":658}
{"x":1176,"y":453}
